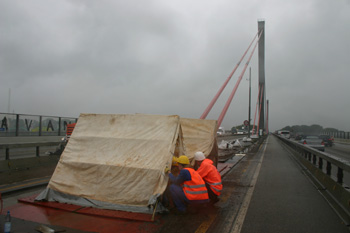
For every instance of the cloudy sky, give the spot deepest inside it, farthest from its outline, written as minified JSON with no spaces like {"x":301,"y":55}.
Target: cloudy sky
{"x":63,"y":58}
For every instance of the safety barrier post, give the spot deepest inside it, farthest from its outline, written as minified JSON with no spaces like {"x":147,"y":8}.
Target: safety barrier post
{"x":340,"y":175}
{"x":40,"y":126}
{"x":329,"y":168}
{"x":17,"y":125}
{"x":37,"y":151}
{"x":59,"y":126}
{"x":7,"y":153}
{"x":320,"y":163}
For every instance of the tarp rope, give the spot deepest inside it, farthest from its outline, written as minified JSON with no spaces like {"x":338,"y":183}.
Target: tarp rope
{"x":211,"y":104}
{"x":223,"y":113}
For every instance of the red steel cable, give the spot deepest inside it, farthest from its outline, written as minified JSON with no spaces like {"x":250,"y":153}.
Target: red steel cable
{"x":211,"y":104}
{"x":223,"y":113}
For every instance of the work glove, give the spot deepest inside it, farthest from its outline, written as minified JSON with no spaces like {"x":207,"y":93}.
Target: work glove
{"x":166,"y":170}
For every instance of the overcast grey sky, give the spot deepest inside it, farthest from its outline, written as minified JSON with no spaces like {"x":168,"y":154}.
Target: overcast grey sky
{"x":63,"y":58}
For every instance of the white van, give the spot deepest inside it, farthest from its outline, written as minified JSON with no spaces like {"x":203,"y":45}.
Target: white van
{"x":284,"y":133}
{"x":220,"y":131}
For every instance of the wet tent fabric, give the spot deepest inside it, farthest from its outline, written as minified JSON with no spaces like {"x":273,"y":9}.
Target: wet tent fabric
{"x":116,"y":161}
{"x":199,"y":135}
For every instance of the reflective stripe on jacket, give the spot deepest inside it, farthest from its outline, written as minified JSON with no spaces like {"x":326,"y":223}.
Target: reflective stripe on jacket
{"x":211,"y":176}
{"x":195,"y":189}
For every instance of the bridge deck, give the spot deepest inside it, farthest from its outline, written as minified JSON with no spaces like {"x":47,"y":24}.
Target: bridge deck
{"x":284,"y":199}
{"x":265,"y":192}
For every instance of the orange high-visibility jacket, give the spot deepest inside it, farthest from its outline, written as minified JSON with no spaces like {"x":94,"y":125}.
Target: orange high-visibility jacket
{"x":211,"y":176}
{"x":195,"y":189}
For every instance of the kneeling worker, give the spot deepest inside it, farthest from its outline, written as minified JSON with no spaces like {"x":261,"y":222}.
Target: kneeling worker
{"x":210,"y":175}
{"x":188,"y":187}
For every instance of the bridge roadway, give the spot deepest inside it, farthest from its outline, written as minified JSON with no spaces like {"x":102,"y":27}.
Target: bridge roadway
{"x":266,"y":191}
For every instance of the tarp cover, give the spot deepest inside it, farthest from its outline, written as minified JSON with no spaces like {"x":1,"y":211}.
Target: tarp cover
{"x":117,"y":159}
{"x":199,"y":135}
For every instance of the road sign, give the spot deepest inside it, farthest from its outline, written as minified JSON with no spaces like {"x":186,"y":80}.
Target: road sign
{"x":246,"y":123}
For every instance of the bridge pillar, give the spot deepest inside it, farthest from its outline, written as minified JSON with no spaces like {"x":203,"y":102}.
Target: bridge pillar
{"x":261,"y":47}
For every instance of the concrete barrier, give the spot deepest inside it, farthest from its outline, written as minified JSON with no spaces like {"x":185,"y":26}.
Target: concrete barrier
{"x":4,"y":166}
{"x":28,"y":163}
{"x":19,"y":170}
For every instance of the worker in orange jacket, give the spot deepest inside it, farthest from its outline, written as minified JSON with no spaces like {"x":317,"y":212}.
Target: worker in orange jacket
{"x":188,"y":187}
{"x":210,"y":175}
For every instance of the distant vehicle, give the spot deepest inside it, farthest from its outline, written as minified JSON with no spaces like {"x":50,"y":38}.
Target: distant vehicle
{"x":242,"y":132}
{"x":220,"y":131}
{"x":284,"y":133}
{"x":299,"y":136}
{"x":327,"y":140}
{"x":313,"y":141}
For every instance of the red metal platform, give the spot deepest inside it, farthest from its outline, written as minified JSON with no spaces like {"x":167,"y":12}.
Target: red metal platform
{"x":89,"y":210}
{"x":89,"y":219}
{"x":74,"y":220}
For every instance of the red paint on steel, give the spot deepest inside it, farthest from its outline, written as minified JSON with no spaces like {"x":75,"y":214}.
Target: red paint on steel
{"x":211,"y":104}
{"x":84,"y":222}
{"x":223,"y":113}
{"x":88,"y":219}
{"x":89,"y":210}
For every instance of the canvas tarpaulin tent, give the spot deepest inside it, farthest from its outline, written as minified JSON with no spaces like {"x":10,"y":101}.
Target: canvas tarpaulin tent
{"x":116,"y":161}
{"x":200,"y":135}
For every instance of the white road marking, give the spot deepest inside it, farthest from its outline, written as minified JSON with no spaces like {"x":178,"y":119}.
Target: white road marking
{"x":237,"y":226}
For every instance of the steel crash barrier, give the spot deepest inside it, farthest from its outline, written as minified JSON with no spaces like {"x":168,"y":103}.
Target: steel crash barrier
{"x":330,"y":174}
{"x":37,"y":145}
{"x":13,"y":125}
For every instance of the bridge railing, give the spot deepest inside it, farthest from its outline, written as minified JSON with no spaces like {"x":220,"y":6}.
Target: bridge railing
{"x":339,"y":134}
{"x":33,"y":125}
{"x":7,"y":147}
{"x":332,"y":174}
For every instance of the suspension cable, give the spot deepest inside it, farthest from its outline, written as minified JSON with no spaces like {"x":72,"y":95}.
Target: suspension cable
{"x":223,"y":113}
{"x":211,"y":104}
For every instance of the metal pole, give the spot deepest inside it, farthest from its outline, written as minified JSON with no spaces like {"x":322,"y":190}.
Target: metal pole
{"x":267,"y":117}
{"x":40,"y":125}
{"x":17,"y":125}
{"x":250,"y":73}
{"x":59,"y":126}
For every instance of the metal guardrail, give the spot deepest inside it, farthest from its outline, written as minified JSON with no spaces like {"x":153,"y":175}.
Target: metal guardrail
{"x":339,"y":134}
{"x":317,"y":158}
{"x":37,"y":145}
{"x":319,"y":164}
{"x":12,"y":125}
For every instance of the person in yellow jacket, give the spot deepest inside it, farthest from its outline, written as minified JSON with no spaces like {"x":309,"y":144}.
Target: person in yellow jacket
{"x":210,"y":175}
{"x":188,"y":187}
